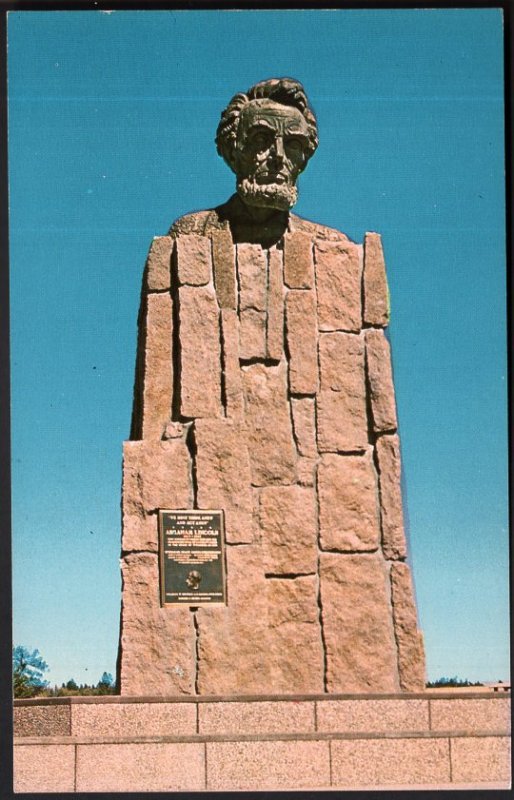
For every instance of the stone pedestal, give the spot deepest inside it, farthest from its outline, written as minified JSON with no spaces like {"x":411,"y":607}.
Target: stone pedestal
{"x":434,"y":740}
{"x":264,"y":388}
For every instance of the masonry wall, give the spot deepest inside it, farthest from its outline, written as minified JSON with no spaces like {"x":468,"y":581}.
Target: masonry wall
{"x":430,"y":741}
{"x":264,"y":387}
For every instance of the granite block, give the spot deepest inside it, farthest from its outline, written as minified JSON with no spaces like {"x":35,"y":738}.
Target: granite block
{"x":275,"y":309}
{"x":157,"y":365}
{"x":232,"y":645}
{"x":269,"y":426}
{"x":142,"y":767}
{"x":200,"y":358}
{"x":288,"y":529}
{"x":480,"y":758}
{"x":376,"y":293}
{"x":372,"y":716}
{"x":301,"y":328}
{"x":193,"y":259}
{"x":252,"y":271}
{"x":298,"y":260}
{"x":470,"y":715}
{"x":383,"y":761}
{"x":295,"y":643}
{"x":267,"y":765}
{"x":357,"y":628}
{"x":256,"y":717}
{"x":232,"y":386}
{"x":133,"y":719}
{"x":158,"y":263}
{"x":42,"y":721}
{"x":223,"y":475}
{"x":157,"y":643}
{"x":380,"y":380}
{"x":338,"y":283}
{"x":342,"y":421}
{"x":50,"y":768}
{"x":224,"y":263}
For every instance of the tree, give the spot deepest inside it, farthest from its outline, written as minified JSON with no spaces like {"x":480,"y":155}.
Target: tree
{"x":28,"y":670}
{"x":451,"y":682}
{"x":106,"y":684}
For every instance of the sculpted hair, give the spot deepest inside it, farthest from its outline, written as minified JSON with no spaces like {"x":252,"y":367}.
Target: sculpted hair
{"x":286,"y":91}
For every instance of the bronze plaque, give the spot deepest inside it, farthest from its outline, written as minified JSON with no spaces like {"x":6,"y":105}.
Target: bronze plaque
{"x":192,"y":557}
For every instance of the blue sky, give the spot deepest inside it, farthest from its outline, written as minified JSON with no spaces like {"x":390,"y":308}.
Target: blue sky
{"x":111,"y":125}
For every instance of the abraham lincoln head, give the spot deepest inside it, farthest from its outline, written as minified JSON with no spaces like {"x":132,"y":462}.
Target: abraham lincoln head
{"x":266,"y":136}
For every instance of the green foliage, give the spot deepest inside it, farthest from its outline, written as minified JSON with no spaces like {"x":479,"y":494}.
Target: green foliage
{"x":455,"y":681}
{"x":106,"y":684}
{"x":28,"y":670}
{"x":70,"y":689}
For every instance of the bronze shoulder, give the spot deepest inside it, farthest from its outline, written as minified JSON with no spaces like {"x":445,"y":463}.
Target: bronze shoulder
{"x":200,"y":222}
{"x":316,"y":230}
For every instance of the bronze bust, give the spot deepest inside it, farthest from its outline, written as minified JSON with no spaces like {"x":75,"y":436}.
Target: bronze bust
{"x":266,"y":136}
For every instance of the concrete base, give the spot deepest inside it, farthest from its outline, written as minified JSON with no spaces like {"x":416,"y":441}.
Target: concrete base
{"x":432,"y":740}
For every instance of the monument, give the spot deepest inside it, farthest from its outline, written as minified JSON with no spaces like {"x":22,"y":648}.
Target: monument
{"x":268,"y":627}
{"x":263,"y":546}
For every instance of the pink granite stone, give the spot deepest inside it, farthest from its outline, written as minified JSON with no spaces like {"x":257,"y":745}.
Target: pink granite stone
{"x":287,"y":523}
{"x":338,"y":285}
{"x":141,"y":767}
{"x":133,"y":719}
{"x":302,"y":334}
{"x":233,"y":642}
{"x":380,"y":381}
{"x":270,"y":435}
{"x":372,"y":716}
{"x":158,"y":264}
{"x":193,"y":259}
{"x":232,"y":382}
{"x":348,"y":503}
{"x":257,"y":766}
{"x":376,"y":294}
{"x":223,"y":475}
{"x":173,"y":430}
{"x":357,"y":626}
{"x":158,"y":644}
{"x":224,"y":262}
{"x":275,"y":311}
{"x":157,"y":366}
{"x":44,"y":768}
{"x":389,"y":469}
{"x":396,"y":761}
{"x":305,"y":468}
{"x":199,"y":331}
{"x":296,"y":647}
{"x":155,"y":475}
{"x":411,"y":657}
{"x":484,"y":758}
{"x":252,"y":270}
{"x":36,"y":720}
{"x":252,"y":334}
{"x":140,"y":532}
{"x":298,"y":260}
{"x":341,"y":404}
{"x":304,"y":424}
{"x":260,"y":717}
{"x":471,"y":715}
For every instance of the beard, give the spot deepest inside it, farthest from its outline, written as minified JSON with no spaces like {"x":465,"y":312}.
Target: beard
{"x":281,"y":196}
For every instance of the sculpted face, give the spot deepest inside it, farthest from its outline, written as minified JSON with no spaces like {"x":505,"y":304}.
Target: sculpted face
{"x":271,"y":152}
